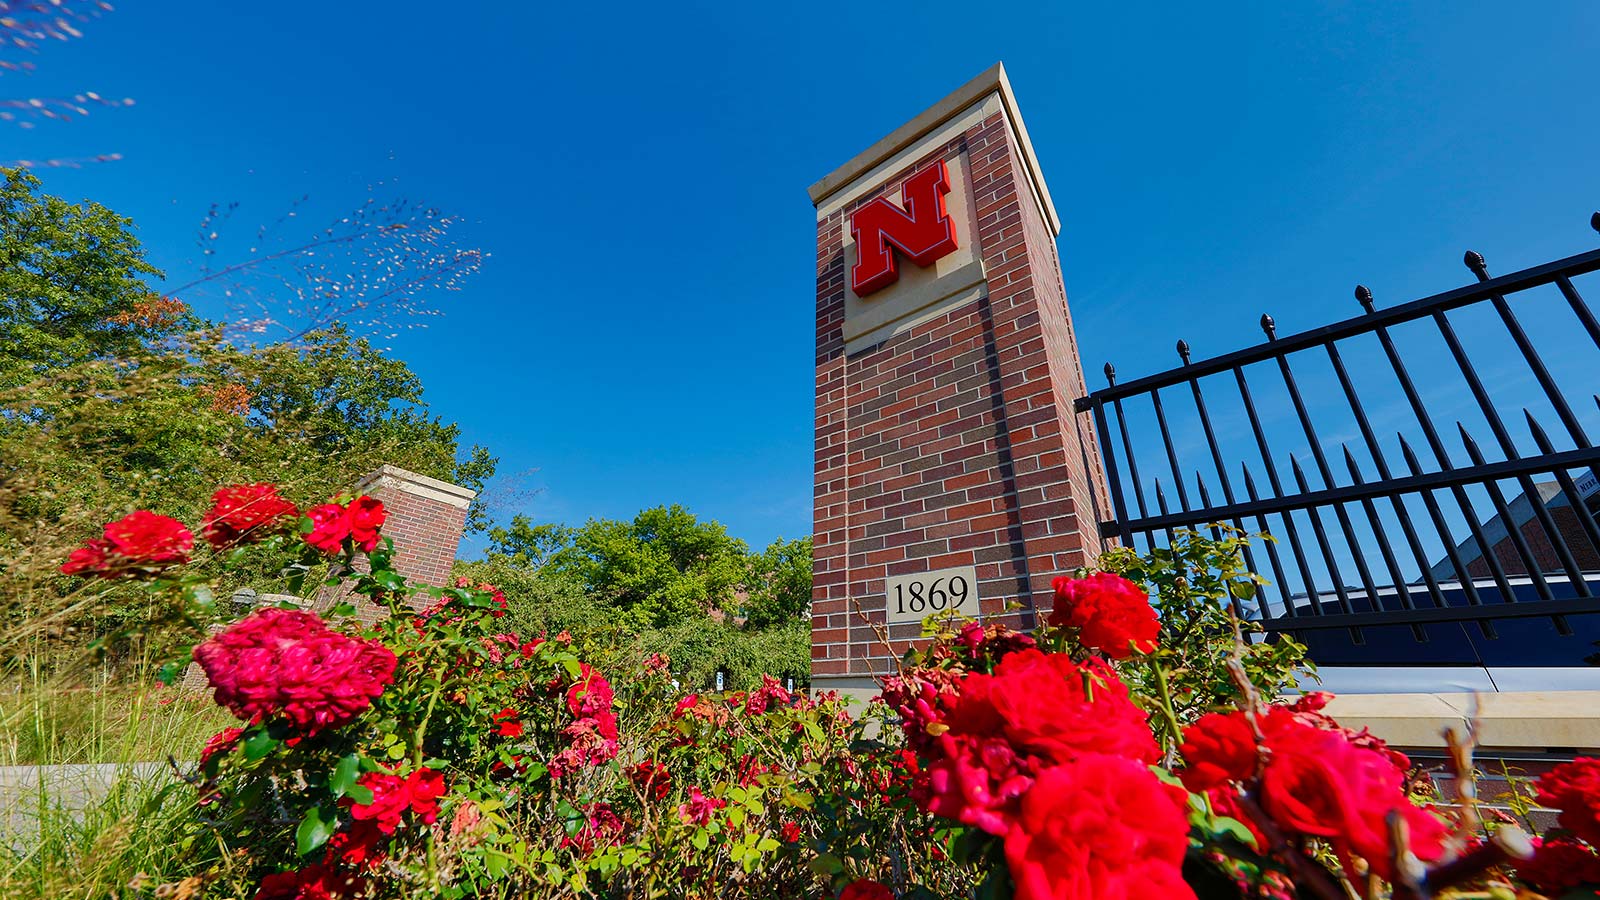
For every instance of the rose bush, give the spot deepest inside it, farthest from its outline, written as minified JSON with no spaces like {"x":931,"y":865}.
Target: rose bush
{"x":431,"y":753}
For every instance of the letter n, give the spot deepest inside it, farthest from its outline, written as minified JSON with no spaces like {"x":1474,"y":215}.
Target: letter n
{"x":923,"y":231}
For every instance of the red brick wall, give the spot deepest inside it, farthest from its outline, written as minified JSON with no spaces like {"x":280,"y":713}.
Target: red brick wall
{"x":425,"y":518}
{"x":1544,"y":552}
{"x":952,"y":443}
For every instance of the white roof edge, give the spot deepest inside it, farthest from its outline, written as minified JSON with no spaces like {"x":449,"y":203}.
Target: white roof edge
{"x":991,"y":80}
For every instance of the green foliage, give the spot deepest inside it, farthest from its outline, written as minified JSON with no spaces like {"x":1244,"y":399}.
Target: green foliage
{"x":778,"y":582}
{"x":664,"y":582}
{"x":67,"y":272}
{"x":112,"y":399}
{"x":659,"y":569}
{"x":1196,"y":583}
{"x":765,"y":795}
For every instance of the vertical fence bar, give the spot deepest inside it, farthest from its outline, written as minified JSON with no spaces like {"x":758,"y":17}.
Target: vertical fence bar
{"x":1216,"y":453}
{"x":1507,"y":446}
{"x":1580,"y":307}
{"x":1398,"y":580}
{"x":1432,"y":435}
{"x":1480,"y":268}
{"x":1172,"y":456}
{"x":1272,"y":550}
{"x":1513,"y":528}
{"x":1364,"y":297}
{"x":1277,"y":491}
{"x":1119,"y":504}
{"x":1323,"y":469}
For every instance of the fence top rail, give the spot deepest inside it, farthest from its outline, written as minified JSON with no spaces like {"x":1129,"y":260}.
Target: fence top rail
{"x":1276,"y":346}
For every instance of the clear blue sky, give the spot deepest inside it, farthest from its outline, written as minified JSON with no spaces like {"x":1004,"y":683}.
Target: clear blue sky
{"x":1209,"y":162}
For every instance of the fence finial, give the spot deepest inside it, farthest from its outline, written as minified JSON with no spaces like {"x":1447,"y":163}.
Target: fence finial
{"x":1350,"y":463}
{"x":1183,"y":350}
{"x":1475,"y":261}
{"x":1470,"y":443}
{"x":1594,"y":221}
{"x":1537,"y":430}
{"x":1111,"y":374}
{"x":1364,"y":297}
{"x":1269,"y":326}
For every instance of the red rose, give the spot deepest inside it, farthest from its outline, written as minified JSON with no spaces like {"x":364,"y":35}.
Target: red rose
{"x":651,"y":778}
{"x":1318,"y":782}
{"x":790,"y":833}
{"x":141,"y":540}
{"x":591,"y":694}
{"x":1558,"y":866}
{"x":425,"y":786}
{"x":366,"y":516}
{"x":601,"y":828}
{"x":330,"y":525}
{"x":865,"y":889}
{"x":985,"y":737}
{"x":700,"y":808}
{"x":222,"y":742}
{"x":1218,"y":748}
{"x":245,"y":512}
{"x":1058,"y":709}
{"x":506,"y":724}
{"x":1111,"y":613}
{"x":1574,"y":788}
{"x":392,"y":796}
{"x":976,"y":781}
{"x":278,"y":662}
{"x":360,"y":847}
{"x":91,"y":559}
{"x":1101,"y":828}
{"x":316,"y":882}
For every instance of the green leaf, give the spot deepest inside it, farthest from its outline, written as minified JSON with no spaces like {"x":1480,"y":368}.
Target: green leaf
{"x":497,"y":864}
{"x":315,"y":829}
{"x":826,"y":864}
{"x":345,"y":775}
{"x":258,"y":745}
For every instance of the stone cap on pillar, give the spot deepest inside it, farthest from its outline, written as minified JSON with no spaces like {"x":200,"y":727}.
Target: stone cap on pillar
{"x":869,"y":165}
{"x":396,"y":478}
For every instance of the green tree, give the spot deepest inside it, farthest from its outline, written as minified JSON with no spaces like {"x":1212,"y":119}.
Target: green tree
{"x":113,"y":398}
{"x":659,"y":569}
{"x":71,"y":283}
{"x":527,"y":545}
{"x":778,"y":584}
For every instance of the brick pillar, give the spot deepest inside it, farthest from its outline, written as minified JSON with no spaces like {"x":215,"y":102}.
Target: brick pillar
{"x":426,"y":517}
{"x":945,"y":436}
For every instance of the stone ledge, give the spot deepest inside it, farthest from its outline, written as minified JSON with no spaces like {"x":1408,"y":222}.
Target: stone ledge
{"x":420,"y":485}
{"x":1530,"y":720}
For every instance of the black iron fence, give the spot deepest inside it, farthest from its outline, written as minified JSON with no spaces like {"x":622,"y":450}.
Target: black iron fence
{"x":1356,"y":446}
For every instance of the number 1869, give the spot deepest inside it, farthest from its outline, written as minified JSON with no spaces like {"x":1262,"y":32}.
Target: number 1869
{"x":914,"y":597}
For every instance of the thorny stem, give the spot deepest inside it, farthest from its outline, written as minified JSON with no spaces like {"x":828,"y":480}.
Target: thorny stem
{"x":1165,"y":695}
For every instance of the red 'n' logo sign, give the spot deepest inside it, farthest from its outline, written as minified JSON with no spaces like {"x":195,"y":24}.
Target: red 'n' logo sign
{"x":923,"y":231}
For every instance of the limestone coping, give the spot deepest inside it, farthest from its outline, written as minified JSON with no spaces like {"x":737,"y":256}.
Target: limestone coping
{"x":1535,"y":720}
{"x":992,"y":80}
{"x":413,"y":483}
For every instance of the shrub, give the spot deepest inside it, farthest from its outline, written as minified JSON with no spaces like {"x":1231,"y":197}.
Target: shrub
{"x":438,"y":753}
